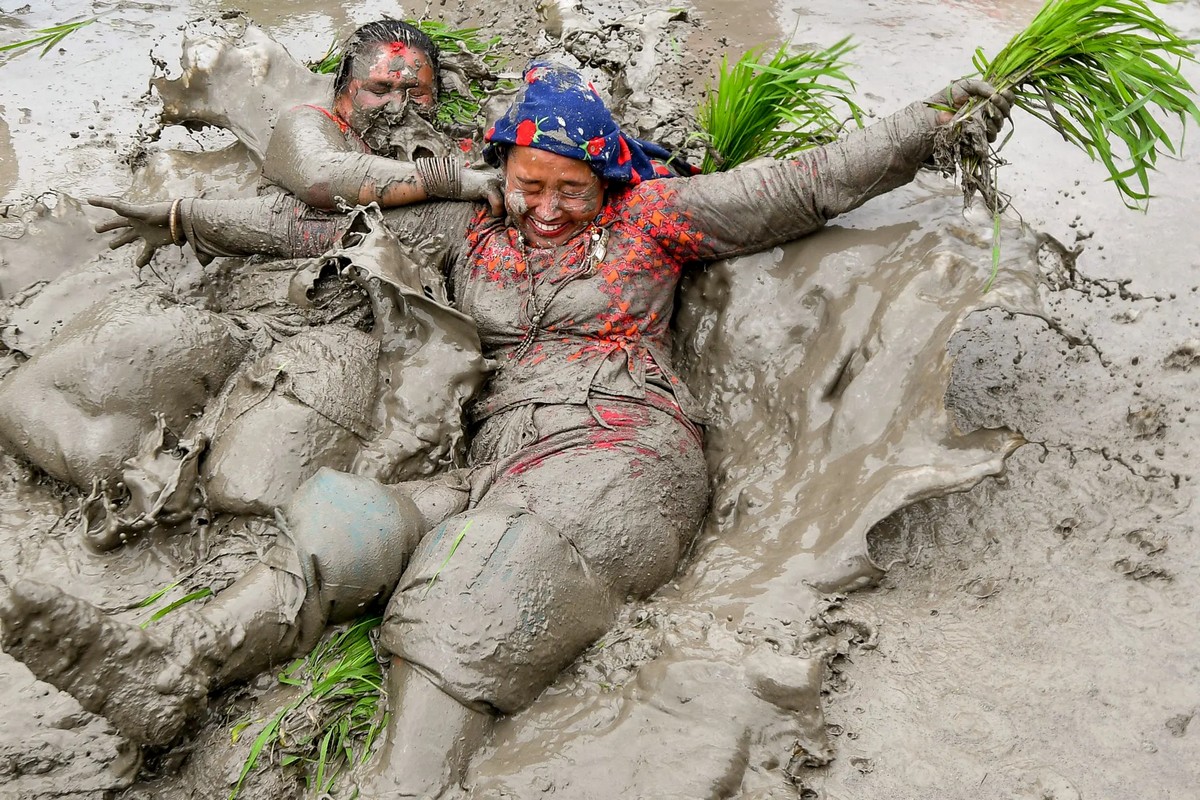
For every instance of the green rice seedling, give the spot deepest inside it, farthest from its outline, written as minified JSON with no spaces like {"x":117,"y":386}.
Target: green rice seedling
{"x":47,"y":38}
{"x":456,"y":40}
{"x":190,"y":597}
{"x":777,"y":108}
{"x":335,"y":718}
{"x":159,"y":613}
{"x":453,"y":549}
{"x":1100,"y":72}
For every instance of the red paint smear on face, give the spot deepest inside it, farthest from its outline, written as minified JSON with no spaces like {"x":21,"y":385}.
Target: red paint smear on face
{"x":397,"y":49}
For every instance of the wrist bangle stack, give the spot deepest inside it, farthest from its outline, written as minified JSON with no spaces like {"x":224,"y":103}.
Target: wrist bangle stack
{"x":173,"y":221}
{"x":441,"y":177}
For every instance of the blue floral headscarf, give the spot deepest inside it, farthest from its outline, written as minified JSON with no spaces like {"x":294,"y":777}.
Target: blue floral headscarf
{"x":558,"y":111}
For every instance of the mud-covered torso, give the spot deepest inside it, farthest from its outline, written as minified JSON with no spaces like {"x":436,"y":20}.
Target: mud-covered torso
{"x":607,"y":330}
{"x":600,"y":306}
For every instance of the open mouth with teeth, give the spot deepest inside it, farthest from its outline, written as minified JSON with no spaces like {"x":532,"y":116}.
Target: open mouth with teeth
{"x":546,"y":230}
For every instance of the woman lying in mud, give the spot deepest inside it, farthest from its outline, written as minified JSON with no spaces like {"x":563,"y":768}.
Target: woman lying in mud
{"x":346,"y":153}
{"x":586,"y":477}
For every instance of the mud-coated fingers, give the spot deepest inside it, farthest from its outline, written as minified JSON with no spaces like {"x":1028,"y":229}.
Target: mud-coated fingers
{"x":101,"y":201}
{"x":963,"y":90}
{"x":122,"y":239}
{"x":111,"y":225}
{"x":992,"y":108}
{"x":152,"y":213}
{"x":112,"y":204}
{"x":495,"y":200}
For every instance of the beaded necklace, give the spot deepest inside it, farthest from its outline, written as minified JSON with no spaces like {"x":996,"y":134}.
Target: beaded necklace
{"x":534,"y":308}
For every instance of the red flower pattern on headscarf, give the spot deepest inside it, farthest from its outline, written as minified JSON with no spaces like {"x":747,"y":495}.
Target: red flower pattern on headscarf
{"x":595,"y":146}
{"x":624,"y":155}
{"x":526,"y":132}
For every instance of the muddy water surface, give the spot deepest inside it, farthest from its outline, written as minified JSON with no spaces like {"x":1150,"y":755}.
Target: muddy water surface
{"x":1036,"y":636}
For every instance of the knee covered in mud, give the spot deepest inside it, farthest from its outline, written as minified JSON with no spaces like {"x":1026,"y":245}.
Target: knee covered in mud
{"x":495,"y":603}
{"x":353,"y":537}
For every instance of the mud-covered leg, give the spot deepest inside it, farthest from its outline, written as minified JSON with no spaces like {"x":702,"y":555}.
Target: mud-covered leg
{"x":495,"y":603}
{"x":343,"y":543}
{"x":429,"y":741}
{"x":144,"y":685}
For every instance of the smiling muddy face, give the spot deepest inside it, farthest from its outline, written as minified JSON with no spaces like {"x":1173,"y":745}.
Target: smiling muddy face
{"x":385,"y":79}
{"x":550,"y":197}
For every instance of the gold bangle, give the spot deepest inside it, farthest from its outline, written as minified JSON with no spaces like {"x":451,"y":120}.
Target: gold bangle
{"x":177,"y":235}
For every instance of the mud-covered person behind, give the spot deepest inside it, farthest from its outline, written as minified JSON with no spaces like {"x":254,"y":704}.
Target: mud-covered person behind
{"x":586,"y":478}
{"x":347,"y":152}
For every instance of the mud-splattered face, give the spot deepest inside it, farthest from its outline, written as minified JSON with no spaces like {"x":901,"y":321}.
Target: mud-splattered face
{"x":550,"y":197}
{"x":385,"y":79}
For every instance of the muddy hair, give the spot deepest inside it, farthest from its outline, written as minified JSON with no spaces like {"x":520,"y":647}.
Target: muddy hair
{"x":383,"y":31}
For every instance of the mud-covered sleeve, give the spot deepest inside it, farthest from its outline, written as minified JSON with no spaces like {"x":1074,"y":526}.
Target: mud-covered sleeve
{"x":274,"y":225}
{"x":308,"y":156}
{"x":765,"y":204}
{"x":436,"y":229}
{"x":280,"y":225}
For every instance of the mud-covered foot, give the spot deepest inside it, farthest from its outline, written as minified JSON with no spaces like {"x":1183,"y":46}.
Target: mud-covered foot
{"x":113,"y":669}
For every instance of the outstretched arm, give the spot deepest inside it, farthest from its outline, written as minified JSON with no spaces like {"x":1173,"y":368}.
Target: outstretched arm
{"x":763,"y":205}
{"x":278,"y":225}
{"x":308,"y":156}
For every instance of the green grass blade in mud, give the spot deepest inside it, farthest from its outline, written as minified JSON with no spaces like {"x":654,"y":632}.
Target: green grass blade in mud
{"x":453,"y":549}
{"x":199,"y":594}
{"x":46,"y":38}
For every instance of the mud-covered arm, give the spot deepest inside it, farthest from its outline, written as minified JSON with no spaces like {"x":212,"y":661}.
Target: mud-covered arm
{"x":309,"y":156}
{"x":283,"y":226}
{"x":762,"y":205}
{"x":276,"y":225}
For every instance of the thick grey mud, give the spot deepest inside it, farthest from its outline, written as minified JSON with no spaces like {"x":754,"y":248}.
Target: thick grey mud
{"x":1034,"y":636}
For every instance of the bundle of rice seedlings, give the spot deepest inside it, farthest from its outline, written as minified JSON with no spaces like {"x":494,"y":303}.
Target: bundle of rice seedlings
{"x":334,"y":720}
{"x":455,"y":106}
{"x":1101,"y":73}
{"x":777,"y":108}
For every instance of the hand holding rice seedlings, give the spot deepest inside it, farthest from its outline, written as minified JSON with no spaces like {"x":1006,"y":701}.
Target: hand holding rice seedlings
{"x":778,"y":108}
{"x":1100,"y":72}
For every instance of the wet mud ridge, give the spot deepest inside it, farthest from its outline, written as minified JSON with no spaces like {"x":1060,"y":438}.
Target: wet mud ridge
{"x":949,"y":551}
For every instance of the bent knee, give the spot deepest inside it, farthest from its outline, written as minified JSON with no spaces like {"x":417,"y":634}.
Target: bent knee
{"x":494,"y":604}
